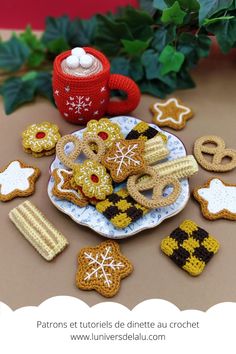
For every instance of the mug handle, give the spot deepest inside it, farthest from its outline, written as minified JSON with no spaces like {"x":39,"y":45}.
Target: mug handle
{"x":124,"y":83}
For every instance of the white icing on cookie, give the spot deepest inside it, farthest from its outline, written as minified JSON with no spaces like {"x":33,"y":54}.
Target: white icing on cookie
{"x":171,"y":119}
{"x":219,"y":197}
{"x":59,"y":186}
{"x":15,"y":177}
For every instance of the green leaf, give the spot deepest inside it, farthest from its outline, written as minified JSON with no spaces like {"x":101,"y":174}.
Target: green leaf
{"x":135,"y":47}
{"x":187,"y":5}
{"x":120,"y":65}
{"x":58,"y":46}
{"x":184,"y":80}
{"x":86,"y":31}
{"x":225,"y":33}
{"x":43,"y":84}
{"x":16,"y":91}
{"x":160,"y":4}
{"x":36,"y":59}
{"x":13,"y":54}
{"x":31,"y":40}
{"x":171,"y":60}
{"x":174,"y":14}
{"x":136,"y":71}
{"x":208,"y":21}
{"x":210,"y":7}
{"x":163,"y":36}
{"x":147,"y":5}
{"x":61,"y":29}
{"x":109,"y":34}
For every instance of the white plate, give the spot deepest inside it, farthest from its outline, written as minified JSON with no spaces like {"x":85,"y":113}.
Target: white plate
{"x":90,"y":217}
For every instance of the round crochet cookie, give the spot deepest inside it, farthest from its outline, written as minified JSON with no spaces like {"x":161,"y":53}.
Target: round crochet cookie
{"x":171,"y":113}
{"x":105,"y":129}
{"x":93,"y":178}
{"x":40,"y":139}
{"x":217,"y":199}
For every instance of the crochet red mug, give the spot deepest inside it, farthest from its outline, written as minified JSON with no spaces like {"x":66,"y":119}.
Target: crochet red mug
{"x":80,"y":99}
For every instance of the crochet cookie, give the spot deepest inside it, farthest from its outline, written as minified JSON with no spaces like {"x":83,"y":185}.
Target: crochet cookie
{"x":93,"y":179}
{"x":105,"y":129}
{"x":218,"y":153}
{"x":63,"y":189}
{"x":171,"y":113}
{"x":40,"y":139}
{"x":158,"y":184}
{"x":17,"y":179}
{"x":34,"y":226}
{"x":124,"y":158}
{"x":101,"y":268}
{"x":144,"y":131}
{"x":217,"y":199}
{"x":121,"y":209}
{"x":190,"y":247}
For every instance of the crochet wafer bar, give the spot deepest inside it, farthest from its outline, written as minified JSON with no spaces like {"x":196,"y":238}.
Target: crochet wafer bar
{"x":42,"y":235}
{"x":155,"y":150}
{"x":121,"y":209}
{"x":178,"y":168}
{"x":145,"y":132}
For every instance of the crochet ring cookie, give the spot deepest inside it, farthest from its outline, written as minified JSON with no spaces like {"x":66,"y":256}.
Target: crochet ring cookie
{"x":218,"y":153}
{"x":217,"y":199}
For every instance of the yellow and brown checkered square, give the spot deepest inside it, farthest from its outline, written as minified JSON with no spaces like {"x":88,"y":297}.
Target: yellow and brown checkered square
{"x":144,"y":131}
{"x":121,"y":209}
{"x":190,"y":247}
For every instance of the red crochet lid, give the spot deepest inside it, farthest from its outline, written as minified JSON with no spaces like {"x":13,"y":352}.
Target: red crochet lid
{"x":94,"y":77}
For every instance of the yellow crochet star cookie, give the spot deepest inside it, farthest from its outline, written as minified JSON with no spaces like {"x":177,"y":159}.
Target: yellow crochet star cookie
{"x":171,"y":113}
{"x":190,"y":247}
{"x":101,"y":268}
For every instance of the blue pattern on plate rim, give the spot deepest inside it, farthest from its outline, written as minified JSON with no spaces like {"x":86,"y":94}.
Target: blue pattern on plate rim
{"x":90,"y":217}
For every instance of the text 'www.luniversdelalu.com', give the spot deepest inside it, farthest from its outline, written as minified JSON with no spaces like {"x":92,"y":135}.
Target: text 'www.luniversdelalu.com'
{"x":118,"y":337}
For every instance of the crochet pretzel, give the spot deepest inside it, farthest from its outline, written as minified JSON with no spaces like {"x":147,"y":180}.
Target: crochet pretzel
{"x":78,"y":147}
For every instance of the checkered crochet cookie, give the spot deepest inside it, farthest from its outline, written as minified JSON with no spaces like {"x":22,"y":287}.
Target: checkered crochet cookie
{"x":121,"y":209}
{"x":145,"y":132}
{"x":190,"y":247}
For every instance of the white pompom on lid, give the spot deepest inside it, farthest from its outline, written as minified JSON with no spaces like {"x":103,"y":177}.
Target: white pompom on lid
{"x":78,"y":52}
{"x":72,"y":62}
{"x":86,"y":61}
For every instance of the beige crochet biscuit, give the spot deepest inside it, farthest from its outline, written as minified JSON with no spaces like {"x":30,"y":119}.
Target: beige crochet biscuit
{"x":17,"y":179}
{"x":101,"y":268}
{"x":34,"y":226}
{"x":158,"y":184}
{"x":218,"y":153}
{"x":63,"y":188}
{"x":124,"y":158}
{"x":217,"y":199}
{"x":171,"y":113}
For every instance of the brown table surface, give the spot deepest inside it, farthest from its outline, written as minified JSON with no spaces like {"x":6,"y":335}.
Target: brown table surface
{"x":27,"y":279}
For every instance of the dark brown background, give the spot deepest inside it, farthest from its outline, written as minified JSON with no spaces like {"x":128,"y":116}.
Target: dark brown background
{"x":27,"y":279}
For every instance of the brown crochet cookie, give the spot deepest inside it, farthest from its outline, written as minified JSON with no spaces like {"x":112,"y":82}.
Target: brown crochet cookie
{"x":17,"y":179}
{"x":218,"y":153}
{"x":124,"y":158}
{"x":101,"y":268}
{"x":217,"y":199}
{"x":171,"y":113}
{"x":63,"y":189}
{"x":158,"y":184}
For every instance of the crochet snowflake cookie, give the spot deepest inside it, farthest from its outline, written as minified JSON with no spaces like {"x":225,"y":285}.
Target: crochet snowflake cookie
{"x":217,"y":199}
{"x":124,"y":158}
{"x":40,"y":139}
{"x":171,"y":113}
{"x":63,"y":188}
{"x":101,"y":268}
{"x":17,"y":179}
{"x":190,"y":247}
